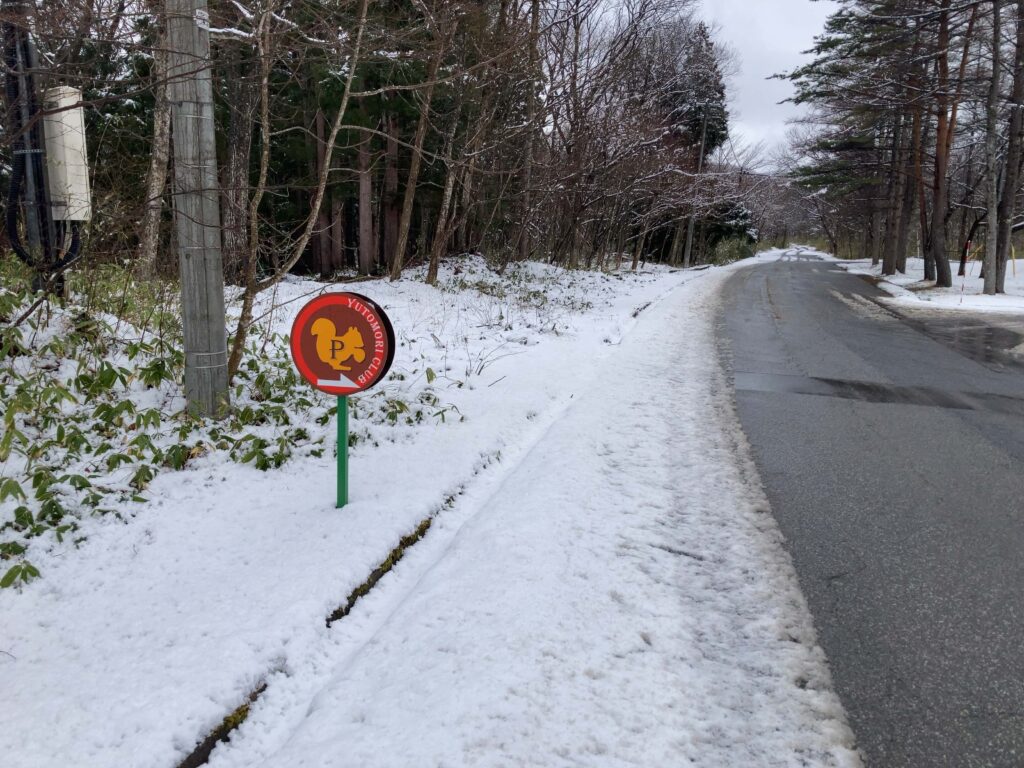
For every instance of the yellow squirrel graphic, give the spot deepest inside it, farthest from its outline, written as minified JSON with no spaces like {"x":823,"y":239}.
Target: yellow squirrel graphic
{"x":335,"y":350}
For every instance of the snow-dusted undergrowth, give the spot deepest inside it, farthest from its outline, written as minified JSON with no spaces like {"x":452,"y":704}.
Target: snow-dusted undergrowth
{"x":93,"y":411}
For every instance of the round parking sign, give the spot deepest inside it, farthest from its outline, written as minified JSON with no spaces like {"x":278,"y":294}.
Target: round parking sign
{"x":342,"y":343}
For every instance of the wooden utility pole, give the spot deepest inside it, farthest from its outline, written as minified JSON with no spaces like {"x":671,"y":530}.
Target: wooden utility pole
{"x":197,"y":207}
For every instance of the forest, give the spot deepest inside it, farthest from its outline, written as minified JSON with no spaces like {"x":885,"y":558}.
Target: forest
{"x":374,"y":135}
{"x":367,"y":137}
{"x":914,"y":143}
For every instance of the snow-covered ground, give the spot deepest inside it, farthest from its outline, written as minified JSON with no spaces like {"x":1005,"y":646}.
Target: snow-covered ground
{"x":912,"y":290}
{"x":602,"y":584}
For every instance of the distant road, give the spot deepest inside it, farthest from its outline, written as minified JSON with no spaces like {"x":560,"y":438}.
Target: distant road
{"x":892,"y":450}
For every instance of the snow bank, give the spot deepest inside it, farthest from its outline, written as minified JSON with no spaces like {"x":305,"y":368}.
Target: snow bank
{"x":912,"y":290}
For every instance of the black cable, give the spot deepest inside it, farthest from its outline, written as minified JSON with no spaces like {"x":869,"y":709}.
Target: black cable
{"x":18,"y":161}
{"x":74,"y":248}
{"x":13,"y":200}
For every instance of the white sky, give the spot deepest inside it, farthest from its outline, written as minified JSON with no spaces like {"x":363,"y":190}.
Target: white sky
{"x":767,"y":36}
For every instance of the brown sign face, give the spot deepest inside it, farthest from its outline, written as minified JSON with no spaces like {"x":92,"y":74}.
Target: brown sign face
{"x":342,"y":343}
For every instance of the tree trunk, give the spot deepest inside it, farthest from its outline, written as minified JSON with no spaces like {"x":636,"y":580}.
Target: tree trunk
{"x":893,"y":218}
{"x":1011,"y":176}
{"x":367,"y":245}
{"x":389,"y":203}
{"x":965,"y":211}
{"x":398,"y":256}
{"x":641,"y":241}
{"x":444,"y":216}
{"x":423,"y":232}
{"x":525,"y":243}
{"x":940,"y":182}
{"x":468,"y":206}
{"x":156,"y":180}
{"x":947,"y":111}
{"x":253,"y":204}
{"x":677,"y":243}
{"x":875,"y":233}
{"x":242,"y":95}
{"x":919,"y":130}
{"x":906,"y":213}
{"x":322,"y":236}
{"x":991,"y":147}
{"x":337,"y":233}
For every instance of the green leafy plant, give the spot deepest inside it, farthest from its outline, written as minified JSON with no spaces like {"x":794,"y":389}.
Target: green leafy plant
{"x":19,"y":573}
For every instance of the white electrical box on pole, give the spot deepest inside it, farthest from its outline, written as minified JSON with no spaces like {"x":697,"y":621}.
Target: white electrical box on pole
{"x":197,"y":207}
{"x":67,"y":164}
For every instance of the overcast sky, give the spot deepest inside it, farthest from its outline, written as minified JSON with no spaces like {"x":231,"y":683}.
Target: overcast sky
{"x":768,"y":36}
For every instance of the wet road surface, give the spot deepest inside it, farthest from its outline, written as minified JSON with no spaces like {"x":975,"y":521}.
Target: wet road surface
{"x":892,"y":450}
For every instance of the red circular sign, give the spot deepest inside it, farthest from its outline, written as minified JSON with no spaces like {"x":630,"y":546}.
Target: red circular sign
{"x":342,"y":343}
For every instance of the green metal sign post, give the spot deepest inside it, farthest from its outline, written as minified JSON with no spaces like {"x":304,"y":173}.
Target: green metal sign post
{"x":342,"y":451}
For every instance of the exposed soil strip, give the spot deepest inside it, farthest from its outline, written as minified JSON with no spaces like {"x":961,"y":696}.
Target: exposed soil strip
{"x":378,"y":573}
{"x":201,"y":754}
{"x":222,"y":733}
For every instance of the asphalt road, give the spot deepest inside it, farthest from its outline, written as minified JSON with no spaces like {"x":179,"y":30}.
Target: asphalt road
{"x":892,"y":450}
